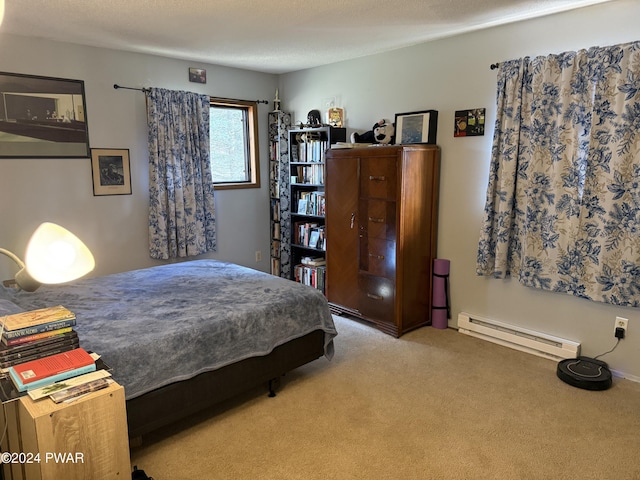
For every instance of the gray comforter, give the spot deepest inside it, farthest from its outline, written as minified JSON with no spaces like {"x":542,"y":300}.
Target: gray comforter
{"x":163,"y":324}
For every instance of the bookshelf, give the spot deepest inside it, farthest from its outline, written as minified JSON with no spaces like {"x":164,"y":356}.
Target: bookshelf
{"x":279,"y":124}
{"x":307,"y":147}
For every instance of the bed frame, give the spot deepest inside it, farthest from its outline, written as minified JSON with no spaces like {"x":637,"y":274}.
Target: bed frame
{"x":179,"y":400}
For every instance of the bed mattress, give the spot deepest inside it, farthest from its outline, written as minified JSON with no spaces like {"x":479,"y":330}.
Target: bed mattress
{"x":163,"y":324}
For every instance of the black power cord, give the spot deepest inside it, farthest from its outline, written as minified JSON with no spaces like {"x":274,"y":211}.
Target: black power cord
{"x":614,"y":347}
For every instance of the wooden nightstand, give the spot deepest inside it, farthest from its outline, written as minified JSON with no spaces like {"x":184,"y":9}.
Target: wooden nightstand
{"x":85,"y":440}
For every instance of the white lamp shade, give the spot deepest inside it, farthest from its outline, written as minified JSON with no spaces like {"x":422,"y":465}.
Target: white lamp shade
{"x":55,"y":255}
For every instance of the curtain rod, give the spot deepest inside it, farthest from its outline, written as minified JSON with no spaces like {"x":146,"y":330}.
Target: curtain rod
{"x":147,"y":90}
{"x":494,"y":66}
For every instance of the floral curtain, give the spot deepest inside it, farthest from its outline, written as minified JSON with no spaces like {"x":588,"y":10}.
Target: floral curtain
{"x":563,"y":200}
{"x":181,"y":199}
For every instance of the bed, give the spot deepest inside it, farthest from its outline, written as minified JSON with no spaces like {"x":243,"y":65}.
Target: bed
{"x":182,"y":337}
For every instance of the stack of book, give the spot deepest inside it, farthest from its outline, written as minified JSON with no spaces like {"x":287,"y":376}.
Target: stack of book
{"x":310,"y":235}
{"x":49,"y":370}
{"x":311,"y":272}
{"x":40,"y":347}
{"x":36,"y":334}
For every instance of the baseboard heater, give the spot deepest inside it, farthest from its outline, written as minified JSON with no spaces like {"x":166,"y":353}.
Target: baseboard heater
{"x":518,"y":338}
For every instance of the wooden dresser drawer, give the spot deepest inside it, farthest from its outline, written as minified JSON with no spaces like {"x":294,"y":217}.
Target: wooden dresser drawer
{"x":378,"y":257}
{"x":377,"y":297}
{"x":378,"y":178}
{"x":377,"y":218}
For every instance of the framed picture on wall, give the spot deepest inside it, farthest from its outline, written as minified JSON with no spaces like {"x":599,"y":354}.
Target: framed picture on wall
{"x":111,"y":171}
{"x":416,"y":127}
{"x":197,"y":75}
{"x":469,"y":123}
{"x":42,"y":117}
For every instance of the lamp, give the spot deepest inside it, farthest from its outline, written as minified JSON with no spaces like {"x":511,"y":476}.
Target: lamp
{"x":53,"y":255}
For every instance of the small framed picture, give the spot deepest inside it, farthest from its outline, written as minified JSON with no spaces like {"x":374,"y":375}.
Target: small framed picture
{"x":335,"y":117}
{"x":111,"y":171}
{"x":197,"y":75}
{"x":314,"y":238}
{"x":469,"y":123}
{"x":416,"y":127}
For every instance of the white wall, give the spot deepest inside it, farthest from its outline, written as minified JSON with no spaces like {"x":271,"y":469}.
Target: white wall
{"x":60,"y":190}
{"x":454,"y":74}
{"x":445,"y":75}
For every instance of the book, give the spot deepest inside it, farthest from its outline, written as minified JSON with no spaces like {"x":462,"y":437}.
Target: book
{"x":314,"y":262}
{"x":39,"y":353}
{"x":43,"y":327}
{"x":7,"y":351}
{"x":80,"y":390}
{"x":36,"y":317}
{"x":47,"y":370}
{"x":35,"y":336}
{"x":38,"y":393}
{"x":339,"y":145}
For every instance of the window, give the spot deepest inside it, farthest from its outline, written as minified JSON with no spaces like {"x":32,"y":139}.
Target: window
{"x":234,"y":144}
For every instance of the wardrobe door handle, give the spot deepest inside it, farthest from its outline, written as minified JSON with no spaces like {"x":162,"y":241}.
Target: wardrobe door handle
{"x":377,"y":178}
{"x":376,"y":220}
{"x":375,"y":297}
{"x":353,"y":219}
{"x":379,"y":257}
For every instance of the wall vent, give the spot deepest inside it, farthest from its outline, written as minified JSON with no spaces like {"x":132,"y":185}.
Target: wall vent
{"x":518,"y":338}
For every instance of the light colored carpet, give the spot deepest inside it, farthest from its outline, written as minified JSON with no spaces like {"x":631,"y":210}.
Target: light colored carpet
{"x":434,"y":404}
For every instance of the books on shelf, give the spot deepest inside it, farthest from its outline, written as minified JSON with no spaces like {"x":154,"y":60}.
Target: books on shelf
{"x":311,"y":203}
{"x":310,"y":235}
{"x":309,"y":175}
{"x":275,"y":210}
{"x":313,"y":261}
{"x":310,"y":151}
{"x":311,"y":276}
{"x":276,"y":231}
{"x":275,"y":266}
{"x":50,"y":369}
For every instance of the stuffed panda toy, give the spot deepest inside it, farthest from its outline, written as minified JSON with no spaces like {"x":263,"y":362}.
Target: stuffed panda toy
{"x":382,"y":132}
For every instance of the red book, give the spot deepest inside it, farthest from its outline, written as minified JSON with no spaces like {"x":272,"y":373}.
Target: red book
{"x":46,"y":367}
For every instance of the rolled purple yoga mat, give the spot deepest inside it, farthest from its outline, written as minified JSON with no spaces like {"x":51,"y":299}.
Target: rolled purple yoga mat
{"x":440,"y":312}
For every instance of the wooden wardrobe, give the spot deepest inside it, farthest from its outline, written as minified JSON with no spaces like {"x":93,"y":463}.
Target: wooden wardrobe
{"x":381,"y":227}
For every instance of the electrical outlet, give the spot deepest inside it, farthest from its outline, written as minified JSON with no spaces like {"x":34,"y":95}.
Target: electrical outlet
{"x":622,"y":323}
{"x":258,"y":256}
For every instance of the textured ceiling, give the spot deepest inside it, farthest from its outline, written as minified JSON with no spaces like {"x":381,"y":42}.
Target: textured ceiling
{"x":272,"y":36}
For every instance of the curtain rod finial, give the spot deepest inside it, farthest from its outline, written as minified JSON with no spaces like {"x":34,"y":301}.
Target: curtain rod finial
{"x":494,"y":66}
